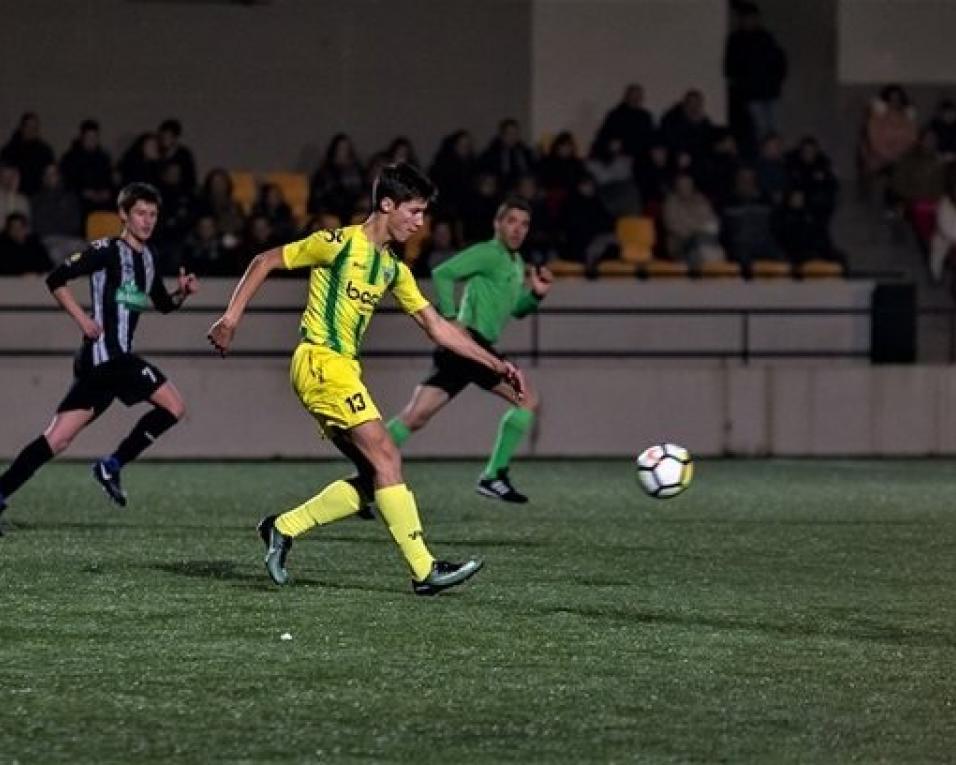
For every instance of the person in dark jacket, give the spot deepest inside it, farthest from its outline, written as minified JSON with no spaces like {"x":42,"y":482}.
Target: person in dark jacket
{"x":87,"y":169}
{"x":29,"y":153}
{"x":755,"y":67}
{"x":628,"y":122}
{"x":21,"y":251}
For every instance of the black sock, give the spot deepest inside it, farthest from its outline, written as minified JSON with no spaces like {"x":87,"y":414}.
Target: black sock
{"x":150,"y":427}
{"x":34,"y":455}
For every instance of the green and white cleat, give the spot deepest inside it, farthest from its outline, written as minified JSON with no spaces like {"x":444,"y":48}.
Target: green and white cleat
{"x":277,"y":548}
{"x":444,"y":575}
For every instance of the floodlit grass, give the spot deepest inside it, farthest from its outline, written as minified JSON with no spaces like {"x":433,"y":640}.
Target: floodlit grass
{"x":777,"y":612}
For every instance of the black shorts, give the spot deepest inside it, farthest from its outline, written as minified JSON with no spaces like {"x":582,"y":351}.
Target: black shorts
{"x":453,"y":373}
{"x":128,"y":378}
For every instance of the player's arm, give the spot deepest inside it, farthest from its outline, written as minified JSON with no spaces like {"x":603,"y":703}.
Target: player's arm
{"x":464,"y":265}
{"x":221,"y":333}
{"x":449,"y":335}
{"x":540,"y":280}
{"x":78,"y":264}
{"x":166,"y":302}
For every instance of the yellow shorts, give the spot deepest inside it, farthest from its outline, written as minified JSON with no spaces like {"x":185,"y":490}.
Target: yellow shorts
{"x":330,"y":386}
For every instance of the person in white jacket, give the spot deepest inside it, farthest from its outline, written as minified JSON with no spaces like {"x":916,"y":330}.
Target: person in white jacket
{"x":944,"y":237}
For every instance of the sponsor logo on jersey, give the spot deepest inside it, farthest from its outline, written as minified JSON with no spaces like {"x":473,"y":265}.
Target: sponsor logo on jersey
{"x":363,"y":296}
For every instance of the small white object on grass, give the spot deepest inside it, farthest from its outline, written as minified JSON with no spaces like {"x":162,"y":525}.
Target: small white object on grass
{"x":285,"y":636}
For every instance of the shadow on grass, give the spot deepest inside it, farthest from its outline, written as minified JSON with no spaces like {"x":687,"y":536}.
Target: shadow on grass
{"x":864,"y":632}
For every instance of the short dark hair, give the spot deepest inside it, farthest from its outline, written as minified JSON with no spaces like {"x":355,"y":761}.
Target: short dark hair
{"x":138,"y":192}
{"x":172,"y":126}
{"x":402,"y":182}
{"x":87,"y":125}
{"x":512,"y":202}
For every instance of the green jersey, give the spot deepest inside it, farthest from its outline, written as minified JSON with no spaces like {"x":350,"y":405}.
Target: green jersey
{"x":494,"y":291}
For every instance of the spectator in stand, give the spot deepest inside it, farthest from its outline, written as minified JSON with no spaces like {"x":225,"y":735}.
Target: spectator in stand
{"x":507,"y":157}
{"x":400,"y":150}
{"x":87,"y":169}
{"x":439,"y":247}
{"x":204,"y":253}
{"x":653,"y":178}
{"x":271,"y":204}
{"x":141,"y":161}
{"x":692,"y":226}
{"x":717,"y":173}
{"x":171,"y":151}
{"x":917,"y":183}
{"x":544,"y":240}
{"x":810,"y":172}
{"x":613,"y":174}
{"x":11,"y":200}
{"x":21,"y":252}
{"x":479,"y":214}
{"x":944,"y":125}
{"x":339,"y":180}
{"x":259,"y":237}
{"x":688,"y":131}
{"x":175,"y":218}
{"x":890,"y":130}
{"x":218,"y":201}
{"x":453,"y":172}
{"x":58,"y":217}
{"x":629,"y":124}
{"x":29,"y":153}
{"x":772,"y":173}
{"x":944,"y":237}
{"x":755,"y":67}
{"x":588,"y":228}
{"x":801,"y":233}
{"x":559,"y":173}
{"x":746,"y":225}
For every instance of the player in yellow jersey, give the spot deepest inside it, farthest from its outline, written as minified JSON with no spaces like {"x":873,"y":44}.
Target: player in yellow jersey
{"x":352,"y":268}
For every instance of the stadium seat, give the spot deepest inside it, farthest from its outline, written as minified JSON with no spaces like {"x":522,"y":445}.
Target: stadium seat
{"x":636,"y":237}
{"x":566,"y":269}
{"x":243,"y":188}
{"x":295,"y":189}
{"x":663,"y":269}
{"x":617,"y":268}
{"x":720,"y":270}
{"x":771,"y":269}
{"x":820,"y":269}
{"x":101,"y":224}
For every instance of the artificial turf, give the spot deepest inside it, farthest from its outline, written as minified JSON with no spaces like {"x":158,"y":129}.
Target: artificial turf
{"x":779,"y":611}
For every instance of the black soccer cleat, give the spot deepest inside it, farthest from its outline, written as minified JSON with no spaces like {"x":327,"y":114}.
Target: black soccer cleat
{"x":444,"y":575}
{"x":365,"y":512}
{"x":500,"y":487}
{"x":109,"y":479}
{"x":277,"y":548}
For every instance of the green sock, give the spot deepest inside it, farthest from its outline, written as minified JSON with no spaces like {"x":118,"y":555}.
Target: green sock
{"x":515,"y":423}
{"x":398,"y":430}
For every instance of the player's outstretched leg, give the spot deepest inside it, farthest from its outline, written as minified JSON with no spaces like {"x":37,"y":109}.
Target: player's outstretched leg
{"x":494,"y":482}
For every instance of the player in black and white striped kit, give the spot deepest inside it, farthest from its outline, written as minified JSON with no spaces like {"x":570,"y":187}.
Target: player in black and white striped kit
{"x":123,"y":279}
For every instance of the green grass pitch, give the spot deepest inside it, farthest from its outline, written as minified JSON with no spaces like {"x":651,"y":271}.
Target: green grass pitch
{"x":779,"y":611}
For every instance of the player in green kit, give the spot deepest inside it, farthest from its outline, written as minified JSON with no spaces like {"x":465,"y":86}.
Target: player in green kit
{"x":495,"y":291}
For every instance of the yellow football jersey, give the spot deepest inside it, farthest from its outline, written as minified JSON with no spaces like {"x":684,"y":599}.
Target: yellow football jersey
{"x":349,"y":277}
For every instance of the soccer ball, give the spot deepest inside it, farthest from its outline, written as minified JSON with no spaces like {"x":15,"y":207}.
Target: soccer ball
{"x":665,"y":470}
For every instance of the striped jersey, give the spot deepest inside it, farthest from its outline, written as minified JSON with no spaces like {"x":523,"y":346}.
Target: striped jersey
{"x":349,"y":277}
{"x":122,"y":281}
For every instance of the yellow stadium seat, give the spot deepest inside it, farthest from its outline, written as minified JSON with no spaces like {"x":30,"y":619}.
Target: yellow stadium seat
{"x":101,"y":224}
{"x":722,"y":269}
{"x":243,"y":188}
{"x":663,"y":269}
{"x":617,"y":268}
{"x":636,"y":237}
{"x":565,"y":269}
{"x":820,"y":269}
{"x":771,"y":269}
{"x":295,"y":189}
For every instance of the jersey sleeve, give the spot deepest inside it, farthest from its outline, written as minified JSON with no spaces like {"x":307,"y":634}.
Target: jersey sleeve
{"x":405,"y":289}
{"x":318,"y":249}
{"x":160,"y":297}
{"x":527,"y":303}
{"x":90,"y":260}
{"x":464,"y":265}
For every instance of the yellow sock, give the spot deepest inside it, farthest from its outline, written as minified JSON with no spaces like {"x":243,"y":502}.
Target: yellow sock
{"x":335,"y":501}
{"x":397,"y":506}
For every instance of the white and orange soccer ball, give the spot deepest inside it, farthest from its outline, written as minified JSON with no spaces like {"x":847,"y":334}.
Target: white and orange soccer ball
{"x":664,"y":470}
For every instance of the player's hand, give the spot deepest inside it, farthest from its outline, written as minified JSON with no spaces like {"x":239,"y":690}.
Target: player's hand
{"x":540,"y":279}
{"x":514,"y":377}
{"x":220,"y":335}
{"x":188,"y":283}
{"x":91,"y":330}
